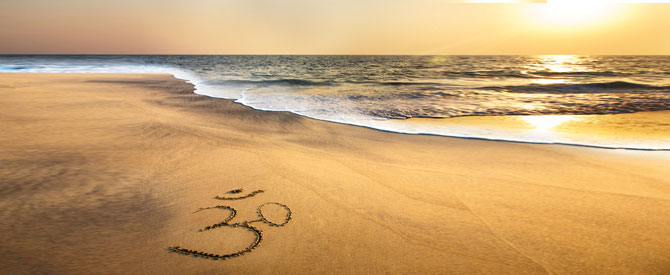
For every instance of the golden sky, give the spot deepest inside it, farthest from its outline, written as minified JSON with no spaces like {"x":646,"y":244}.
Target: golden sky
{"x":333,"y":27}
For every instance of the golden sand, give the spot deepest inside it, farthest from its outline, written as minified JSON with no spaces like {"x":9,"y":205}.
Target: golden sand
{"x":102,"y":173}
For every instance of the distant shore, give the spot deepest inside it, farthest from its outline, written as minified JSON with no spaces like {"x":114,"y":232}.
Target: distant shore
{"x":102,"y":173}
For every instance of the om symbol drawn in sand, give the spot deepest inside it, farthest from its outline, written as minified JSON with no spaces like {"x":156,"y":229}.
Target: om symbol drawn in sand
{"x":245,"y":224}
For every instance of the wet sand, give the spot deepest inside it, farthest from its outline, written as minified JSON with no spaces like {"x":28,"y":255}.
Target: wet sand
{"x":636,"y":131}
{"x":102,"y":173}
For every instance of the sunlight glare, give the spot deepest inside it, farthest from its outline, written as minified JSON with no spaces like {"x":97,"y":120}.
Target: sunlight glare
{"x":560,"y":63}
{"x":546,"y":122}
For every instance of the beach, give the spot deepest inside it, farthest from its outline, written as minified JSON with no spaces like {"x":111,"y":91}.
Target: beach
{"x":102,"y":173}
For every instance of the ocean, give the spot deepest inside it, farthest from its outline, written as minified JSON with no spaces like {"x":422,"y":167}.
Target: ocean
{"x":390,"y":92}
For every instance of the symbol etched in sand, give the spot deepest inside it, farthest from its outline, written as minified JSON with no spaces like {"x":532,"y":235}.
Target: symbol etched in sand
{"x":245,"y":224}
{"x":235,"y":191}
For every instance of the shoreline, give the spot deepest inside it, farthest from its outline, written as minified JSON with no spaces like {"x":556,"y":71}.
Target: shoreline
{"x":654,"y":136}
{"x":103,"y":172}
{"x":490,"y":121}
{"x":191,"y":80}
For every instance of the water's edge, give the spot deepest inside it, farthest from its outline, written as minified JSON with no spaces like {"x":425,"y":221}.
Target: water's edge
{"x":238,"y":101}
{"x":380,"y":124}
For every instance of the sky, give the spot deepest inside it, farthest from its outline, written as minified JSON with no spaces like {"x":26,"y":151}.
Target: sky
{"x":333,"y":27}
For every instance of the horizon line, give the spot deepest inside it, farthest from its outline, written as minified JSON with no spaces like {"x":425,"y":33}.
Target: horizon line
{"x":263,"y":54}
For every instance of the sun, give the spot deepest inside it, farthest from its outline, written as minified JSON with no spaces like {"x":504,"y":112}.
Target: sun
{"x":570,"y":13}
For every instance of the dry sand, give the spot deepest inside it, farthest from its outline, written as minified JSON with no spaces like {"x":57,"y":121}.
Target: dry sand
{"x":101,"y":173}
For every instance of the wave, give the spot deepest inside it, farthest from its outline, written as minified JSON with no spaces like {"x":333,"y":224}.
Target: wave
{"x":530,"y":74}
{"x":486,"y":74}
{"x":17,"y":67}
{"x":578,"y":73}
{"x":305,"y":82}
{"x":405,"y":83}
{"x":285,"y":81}
{"x":610,"y":87}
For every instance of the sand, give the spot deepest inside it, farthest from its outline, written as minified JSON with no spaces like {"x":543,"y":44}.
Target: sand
{"x":101,"y":173}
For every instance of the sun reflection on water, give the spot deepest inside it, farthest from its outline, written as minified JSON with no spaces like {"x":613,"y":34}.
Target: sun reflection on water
{"x":547,"y":122}
{"x":560,"y":63}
